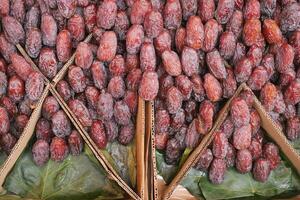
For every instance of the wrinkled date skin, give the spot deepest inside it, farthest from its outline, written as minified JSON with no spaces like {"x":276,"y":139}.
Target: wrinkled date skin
{"x":9,"y":105}
{"x":98,"y":134}
{"x":76,"y":27}
{"x":217,"y":171}
{"x":153,"y":24}
{"x":117,"y":66}
{"x":163,"y":121}
{"x":162,"y":42}
{"x":293,"y":128}
{"x":171,"y":63}
{"x":220,"y":145}
{"x":61,"y":126}
{"x":49,"y":30}
{"x":43,"y":130}
{"x":292,"y":93}
{"x":40,"y":152}
{"x":77,"y":79}
{"x":290,"y":20}
{"x":268,"y":96}
{"x":149,"y":85}
{"x":261,"y":170}
{"x":33,"y":42}
{"x":210,"y":35}
{"x":90,"y":16}
{"x":242,"y":69}
{"x":108,"y":47}
{"x":184,"y":85}
{"x":227,"y":44}
{"x":239,"y":112}
{"x":243,"y":161}
{"x":271,"y":31}
{"x":6,"y":48}
{"x":16,"y":88}
{"x":172,"y":151}
{"x":134,"y":39}
{"x":58,"y":149}
{"x":112,"y":130}
{"x":126,"y":134}
{"x":99,"y":74}
{"x":83,"y":56}
{"x":116,"y":87}
{"x":204,"y":160}
{"x":271,"y":153}
{"x":34,"y":86}
{"x":242,"y":137}
{"x":212,"y":87}
{"x":4,"y":8}
{"x":205,"y":117}
{"x":194,"y":32}
{"x":189,"y":61}
{"x":172,"y":14}
{"x":206,"y":9}
{"x":81,"y":112}
{"x":173,"y":100}
{"x":224,"y":11}
{"x":63,"y":88}
{"x":216,"y":65}
{"x":64,"y":45}
{"x":235,"y":24}
{"x":192,"y":136}
{"x":284,"y":58}
{"x":229,"y":84}
{"x":50,"y":107}
{"x":7,"y":142}
{"x":67,"y":7}
{"x":105,"y":105}
{"x":147,"y":57}
{"x":122,"y":113}
{"x":106,"y":14}
{"x":252,"y":32}
{"x":139,"y":9}
{"x":4,"y":118}
{"x":13,"y":30}
{"x":75,"y":143}
{"x":247,"y":95}
{"x":20,"y":66}
{"x":48,"y":63}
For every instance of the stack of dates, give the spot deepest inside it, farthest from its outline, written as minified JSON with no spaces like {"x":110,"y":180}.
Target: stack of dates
{"x":240,"y":143}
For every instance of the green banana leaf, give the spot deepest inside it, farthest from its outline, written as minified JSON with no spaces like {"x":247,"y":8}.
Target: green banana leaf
{"x":237,"y":185}
{"x":77,"y":177}
{"x":123,"y":160}
{"x":169,"y":171}
{"x":3,"y":157}
{"x":296,"y":145}
{"x":191,"y":180}
{"x":166,"y":171}
{"x":185,"y":156}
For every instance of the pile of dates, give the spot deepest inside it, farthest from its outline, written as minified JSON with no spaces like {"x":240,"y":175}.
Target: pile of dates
{"x":240,"y":143}
{"x":101,"y":93}
{"x":204,"y":50}
{"x":48,"y":30}
{"x":55,"y":136}
{"x":20,"y":90}
{"x":48,"y":33}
